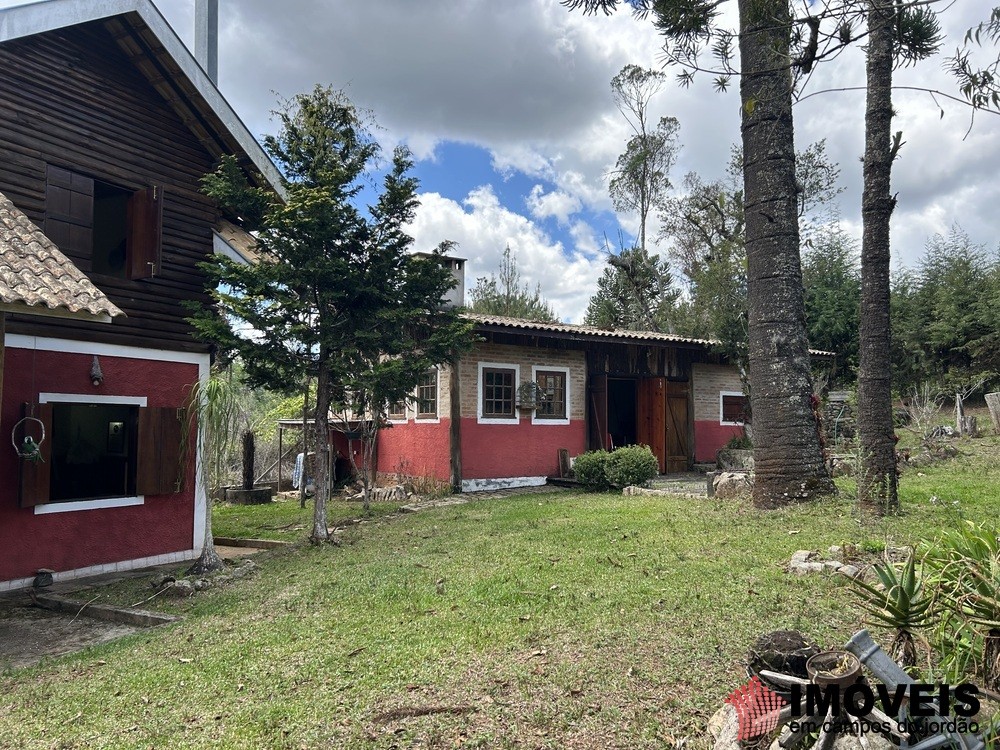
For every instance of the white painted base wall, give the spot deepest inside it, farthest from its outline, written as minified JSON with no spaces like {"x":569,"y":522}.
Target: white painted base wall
{"x":503,"y":483}
{"x":96,"y":570}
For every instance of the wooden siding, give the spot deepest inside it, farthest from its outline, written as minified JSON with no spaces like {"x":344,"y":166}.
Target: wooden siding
{"x":73,"y":98}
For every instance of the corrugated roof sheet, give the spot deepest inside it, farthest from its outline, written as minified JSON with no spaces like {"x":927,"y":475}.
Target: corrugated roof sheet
{"x":34,"y":272}
{"x":591,"y":331}
{"x":610,"y":333}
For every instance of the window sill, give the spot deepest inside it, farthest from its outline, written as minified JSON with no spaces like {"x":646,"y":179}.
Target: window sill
{"x":498,"y":420}
{"x":730,"y":424}
{"x":75,"y":505}
{"x":550,"y":420}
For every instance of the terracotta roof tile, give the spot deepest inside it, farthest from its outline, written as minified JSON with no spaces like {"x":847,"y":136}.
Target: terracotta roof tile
{"x":34,"y":272}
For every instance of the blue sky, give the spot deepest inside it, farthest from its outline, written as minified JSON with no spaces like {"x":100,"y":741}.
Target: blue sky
{"x":508,"y":110}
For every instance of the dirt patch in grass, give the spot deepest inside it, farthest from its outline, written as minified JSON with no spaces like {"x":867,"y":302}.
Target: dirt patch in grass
{"x":29,"y":634}
{"x":565,"y":694}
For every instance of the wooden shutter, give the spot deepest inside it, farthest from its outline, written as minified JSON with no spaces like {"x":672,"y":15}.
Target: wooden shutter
{"x":597,"y":395}
{"x":35,"y":476}
{"x":145,"y":223}
{"x":159,"y":469}
{"x":69,"y":212}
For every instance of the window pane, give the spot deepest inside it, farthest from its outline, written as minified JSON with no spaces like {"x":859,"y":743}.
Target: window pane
{"x":733,"y":408}
{"x":552,"y":395}
{"x":498,"y":392}
{"x":427,"y":395}
{"x":93,"y":451}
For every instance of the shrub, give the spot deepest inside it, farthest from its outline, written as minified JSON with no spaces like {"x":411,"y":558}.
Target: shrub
{"x":589,"y":469}
{"x":634,"y":465}
{"x":739,"y":443}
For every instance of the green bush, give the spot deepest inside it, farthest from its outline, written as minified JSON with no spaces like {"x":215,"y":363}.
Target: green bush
{"x":589,"y":469}
{"x":634,"y":465}
{"x":739,"y":443}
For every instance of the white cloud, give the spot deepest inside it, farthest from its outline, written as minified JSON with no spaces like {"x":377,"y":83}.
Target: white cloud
{"x":482,"y":227}
{"x":555,"y":204}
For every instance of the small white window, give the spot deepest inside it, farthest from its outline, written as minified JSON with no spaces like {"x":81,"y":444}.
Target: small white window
{"x":732,"y":408}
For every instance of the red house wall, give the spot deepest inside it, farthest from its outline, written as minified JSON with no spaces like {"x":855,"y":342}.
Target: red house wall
{"x":78,"y":539}
{"x":416,"y":449}
{"x":494,"y":451}
{"x":710,"y":437}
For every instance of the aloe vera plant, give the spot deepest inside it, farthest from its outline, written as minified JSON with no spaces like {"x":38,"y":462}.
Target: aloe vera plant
{"x":898,"y":601}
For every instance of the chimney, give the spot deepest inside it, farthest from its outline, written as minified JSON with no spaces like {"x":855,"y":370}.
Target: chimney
{"x":456,"y":296}
{"x":206,"y":37}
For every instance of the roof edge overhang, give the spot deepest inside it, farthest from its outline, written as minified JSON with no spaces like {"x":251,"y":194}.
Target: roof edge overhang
{"x":51,"y":15}
{"x":17,"y":308}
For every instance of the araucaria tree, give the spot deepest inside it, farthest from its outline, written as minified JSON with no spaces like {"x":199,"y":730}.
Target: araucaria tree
{"x":336,"y":294}
{"x":787,"y":453}
{"x":505,"y":295}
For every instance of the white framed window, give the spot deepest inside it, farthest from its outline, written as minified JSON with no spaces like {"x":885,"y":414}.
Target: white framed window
{"x":732,"y":408}
{"x":93,"y":452}
{"x":427,"y":396}
{"x":497,"y":393}
{"x":554,"y":398}
{"x":397,"y":412}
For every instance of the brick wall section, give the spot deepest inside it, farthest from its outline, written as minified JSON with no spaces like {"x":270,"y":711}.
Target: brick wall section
{"x":524,"y":358}
{"x":708,"y":381}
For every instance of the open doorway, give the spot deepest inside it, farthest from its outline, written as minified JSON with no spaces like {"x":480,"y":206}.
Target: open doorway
{"x":622,"y":408}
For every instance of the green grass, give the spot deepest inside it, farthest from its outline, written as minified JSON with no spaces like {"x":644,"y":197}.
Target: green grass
{"x":539,"y":621}
{"x":284,"y":520}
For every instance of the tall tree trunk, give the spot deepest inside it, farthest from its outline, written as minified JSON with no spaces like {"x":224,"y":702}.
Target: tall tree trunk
{"x":787,"y":454}
{"x":321,"y":443}
{"x":877,"y":483}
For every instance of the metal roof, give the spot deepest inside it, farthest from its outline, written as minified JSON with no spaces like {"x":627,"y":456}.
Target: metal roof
{"x":501,"y":321}
{"x":142,"y":16}
{"x":36,"y":278}
{"x":582,"y":332}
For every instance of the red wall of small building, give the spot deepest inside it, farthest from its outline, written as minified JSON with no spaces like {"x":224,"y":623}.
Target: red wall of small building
{"x":416,"y":449}
{"x":710,"y":436}
{"x":493,"y":451}
{"x":78,"y":539}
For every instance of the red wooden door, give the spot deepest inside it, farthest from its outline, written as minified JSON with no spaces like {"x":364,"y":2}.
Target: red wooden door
{"x":651,"y":422}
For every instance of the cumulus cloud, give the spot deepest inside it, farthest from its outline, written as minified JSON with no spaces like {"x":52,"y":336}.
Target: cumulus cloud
{"x":483,"y":228}
{"x":555,"y":204}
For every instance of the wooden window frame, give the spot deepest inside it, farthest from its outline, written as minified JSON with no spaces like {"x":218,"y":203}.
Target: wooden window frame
{"x":537,"y":417}
{"x":158,"y":456}
{"x":69,"y":221}
{"x":494,"y":418}
{"x":722,"y":409}
{"x":397,"y":417}
{"x":434,"y":416}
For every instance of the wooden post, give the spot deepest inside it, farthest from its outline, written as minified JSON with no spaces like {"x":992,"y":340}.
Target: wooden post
{"x":455,"y":431}
{"x":281,"y":432}
{"x":993,"y":403}
{"x":3,"y":334}
{"x":959,"y":414}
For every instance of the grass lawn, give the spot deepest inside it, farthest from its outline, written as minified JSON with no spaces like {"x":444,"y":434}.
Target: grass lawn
{"x":557,"y":620}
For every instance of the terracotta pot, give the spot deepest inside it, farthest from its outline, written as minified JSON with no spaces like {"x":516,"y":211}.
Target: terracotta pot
{"x":833,"y":668}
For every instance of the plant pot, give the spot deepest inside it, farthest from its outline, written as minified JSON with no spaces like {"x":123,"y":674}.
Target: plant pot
{"x":840,"y":668}
{"x":256,"y":496}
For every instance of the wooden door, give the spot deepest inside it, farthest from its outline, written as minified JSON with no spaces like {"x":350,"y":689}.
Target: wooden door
{"x":651,"y":422}
{"x":597,"y":409}
{"x":677,"y":443}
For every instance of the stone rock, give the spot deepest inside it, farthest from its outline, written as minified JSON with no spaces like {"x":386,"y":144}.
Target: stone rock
{"x":804,"y":569}
{"x":724,"y":728}
{"x":246,"y":569}
{"x":201,"y":584}
{"x":181,"y":588}
{"x":850,"y":570}
{"x":160,"y":581}
{"x":836,"y":552}
{"x":841,"y":466}
{"x":803,"y":556}
{"x":730,"y":484}
{"x":729,"y":459}
{"x":832,"y":565}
